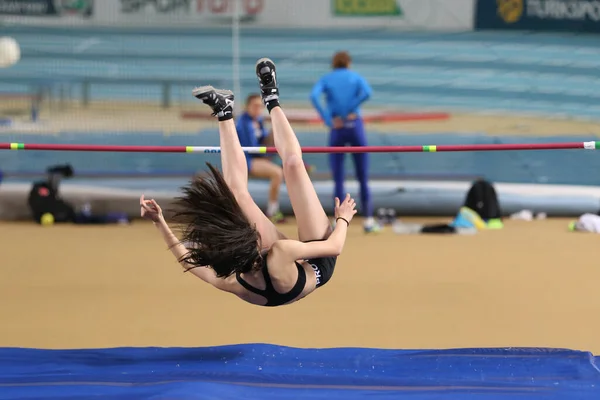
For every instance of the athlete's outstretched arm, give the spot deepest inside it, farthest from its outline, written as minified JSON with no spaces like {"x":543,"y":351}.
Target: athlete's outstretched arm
{"x":152,"y":211}
{"x":293,"y":250}
{"x":180,"y":251}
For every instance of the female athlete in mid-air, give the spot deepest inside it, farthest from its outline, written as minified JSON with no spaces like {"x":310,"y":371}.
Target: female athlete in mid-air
{"x":228,"y":241}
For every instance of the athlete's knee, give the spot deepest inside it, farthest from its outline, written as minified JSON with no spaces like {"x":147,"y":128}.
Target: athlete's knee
{"x":293,"y":163}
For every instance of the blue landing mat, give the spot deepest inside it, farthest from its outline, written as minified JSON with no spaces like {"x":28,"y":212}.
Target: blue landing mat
{"x":270,"y":372}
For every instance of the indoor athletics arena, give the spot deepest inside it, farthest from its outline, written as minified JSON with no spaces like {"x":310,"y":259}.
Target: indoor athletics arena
{"x":465,"y":134}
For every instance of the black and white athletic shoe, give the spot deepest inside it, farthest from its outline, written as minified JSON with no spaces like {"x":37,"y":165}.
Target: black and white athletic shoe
{"x":267,"y":79}
{"x":220,"y":101}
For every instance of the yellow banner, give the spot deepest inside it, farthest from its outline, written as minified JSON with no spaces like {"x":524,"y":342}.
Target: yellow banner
{"x":366,"y":8}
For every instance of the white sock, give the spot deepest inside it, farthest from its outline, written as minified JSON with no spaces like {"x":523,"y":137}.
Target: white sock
{"x":370,"y":221}
{"x":273,"y":208}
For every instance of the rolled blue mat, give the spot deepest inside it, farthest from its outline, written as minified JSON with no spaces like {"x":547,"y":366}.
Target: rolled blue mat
{"x":109,"y":218}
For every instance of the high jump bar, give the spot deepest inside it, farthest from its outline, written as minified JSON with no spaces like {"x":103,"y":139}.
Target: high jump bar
{"x":592,"y":145}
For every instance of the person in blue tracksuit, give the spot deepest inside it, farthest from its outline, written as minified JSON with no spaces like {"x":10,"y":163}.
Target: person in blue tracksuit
{"x":345,"y":91}
{"x":251,"y":132}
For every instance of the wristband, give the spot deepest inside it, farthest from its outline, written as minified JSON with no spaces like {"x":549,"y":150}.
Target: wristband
{"x":344,"y":219}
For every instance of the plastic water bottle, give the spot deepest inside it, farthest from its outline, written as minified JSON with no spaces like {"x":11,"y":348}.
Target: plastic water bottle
{"x":382,"y":216}
{"x":86,"y":209}
{"x":391,"y":216}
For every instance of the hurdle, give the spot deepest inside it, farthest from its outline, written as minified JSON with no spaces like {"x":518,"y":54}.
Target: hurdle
{"x":591,"y":145}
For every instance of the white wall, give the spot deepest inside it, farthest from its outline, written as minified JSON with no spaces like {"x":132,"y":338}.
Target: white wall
{"x":417,"y":15}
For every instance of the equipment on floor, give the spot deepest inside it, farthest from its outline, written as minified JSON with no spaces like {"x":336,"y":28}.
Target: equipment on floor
{"x":481,"y":210}
{"x":48,"y":208}
{"x":482,"y":199}
{"x":44,"y":198}
{"x":586,"y":223}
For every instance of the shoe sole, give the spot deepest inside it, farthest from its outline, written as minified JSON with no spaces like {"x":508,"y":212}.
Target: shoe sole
{"x":199,"y":91}
{"x":262,"y":60}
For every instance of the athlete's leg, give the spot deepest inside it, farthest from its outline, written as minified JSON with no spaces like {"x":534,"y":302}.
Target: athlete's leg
{"x":336,"y":162}
{"x":312,"y":221}
{"x":263,"y":168}
{"x":361,"y":166}
{"x":233,"y":160}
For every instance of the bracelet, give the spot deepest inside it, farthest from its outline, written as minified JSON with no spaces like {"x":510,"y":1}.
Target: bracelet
{"x":344,"y":219}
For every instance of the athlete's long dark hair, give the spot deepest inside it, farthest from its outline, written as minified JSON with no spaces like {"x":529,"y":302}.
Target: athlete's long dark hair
{"x":214,"y":229}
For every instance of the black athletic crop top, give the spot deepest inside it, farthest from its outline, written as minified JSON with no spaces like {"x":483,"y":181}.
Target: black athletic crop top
{"x":273,"y":297}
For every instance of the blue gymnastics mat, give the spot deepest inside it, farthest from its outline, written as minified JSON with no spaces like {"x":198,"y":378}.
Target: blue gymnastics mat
{"x":270,"y":372}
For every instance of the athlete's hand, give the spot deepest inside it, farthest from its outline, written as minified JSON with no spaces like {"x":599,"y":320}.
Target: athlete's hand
{"x":338,"y":123}
{"x":346,"y":209}
{"x":150,"y":210}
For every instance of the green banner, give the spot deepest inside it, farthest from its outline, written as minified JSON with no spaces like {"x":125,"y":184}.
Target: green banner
{"x":366,"y":8}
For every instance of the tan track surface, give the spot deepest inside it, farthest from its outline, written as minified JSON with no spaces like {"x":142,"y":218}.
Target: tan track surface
{"x":531,"y":284}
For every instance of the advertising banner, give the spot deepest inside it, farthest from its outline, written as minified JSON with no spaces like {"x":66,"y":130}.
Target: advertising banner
{"x":173,"y":13}
{"x":47,"y":8}
{"x":362,"y":8}
{"x":539,"y":15}
{"x":436,"y":15}
{"x":428,"y":15}
{"x":408,"y":14}
{"x":155,"y":6}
